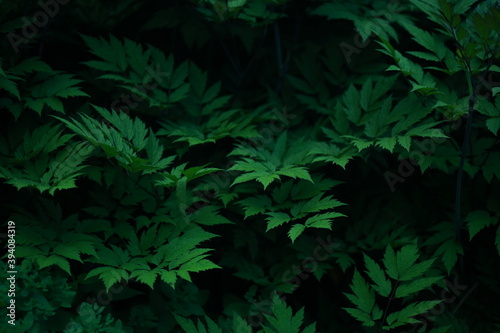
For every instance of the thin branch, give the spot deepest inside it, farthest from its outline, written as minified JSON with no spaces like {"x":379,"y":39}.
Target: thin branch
{"x":279,"y":53}
{"x":391,"y":297}
{"x":465,"y":144}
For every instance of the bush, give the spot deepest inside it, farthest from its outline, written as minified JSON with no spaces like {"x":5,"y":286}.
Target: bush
{"x":250,"y":166}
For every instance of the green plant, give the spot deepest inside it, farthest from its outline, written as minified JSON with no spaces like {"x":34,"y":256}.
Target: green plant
{"x":401,"y":277}
{"x":256,"y":165}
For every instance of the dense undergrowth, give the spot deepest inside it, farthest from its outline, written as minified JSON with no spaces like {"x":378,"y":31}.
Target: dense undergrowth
{"x":250,"y":166}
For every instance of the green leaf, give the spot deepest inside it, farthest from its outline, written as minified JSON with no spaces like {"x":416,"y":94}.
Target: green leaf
{"x":401,"y":266}
{"x":364,"y":296}
{"x":186,"y":324}
{"x":449,"y":251}
{"x":407,"y":289}
{"x":416,"y":270}
{"x":198,"y":266}
{"x":478,"y":220}
{"x":53,"y":260}
{"x":444,"y":329}
{"x":405,"y":142}
{"x":463,"y":5}
{"x":362,"y":316}
{"x":390,"y":263}
{"x":387,"y":143}
{"x":109,"y":275}
{"x":295,"y":231}
{"x":424,"y":55}
{"x":276,"y":219}
{"x":322,"y":220}
{"x":405,"y":259}
{"x":263,"y":177}
{"x":68,"y":251}
{"x":255,"y":205}
{"x":280,"y":147}
{"x":406,"y":315}
{"x":295,"y":172}
{"x":352,"y":104}
{"x":209,"y":215}
{"x":147,"y":277}
{"x":361,"y":144}
{"x":283,"y":320}
{"x":168,"y":277}
{"x":425,"y":130}
{"x":493,"y":124}
{"x":241,"y":325}
{"x":424,"y":38}
{"x":32,"y":65}
{"x":9,"y":86}
{"x":382,"y":284}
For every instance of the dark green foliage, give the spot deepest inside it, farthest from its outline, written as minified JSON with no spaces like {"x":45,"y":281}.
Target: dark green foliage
{"x":250,"y":166}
